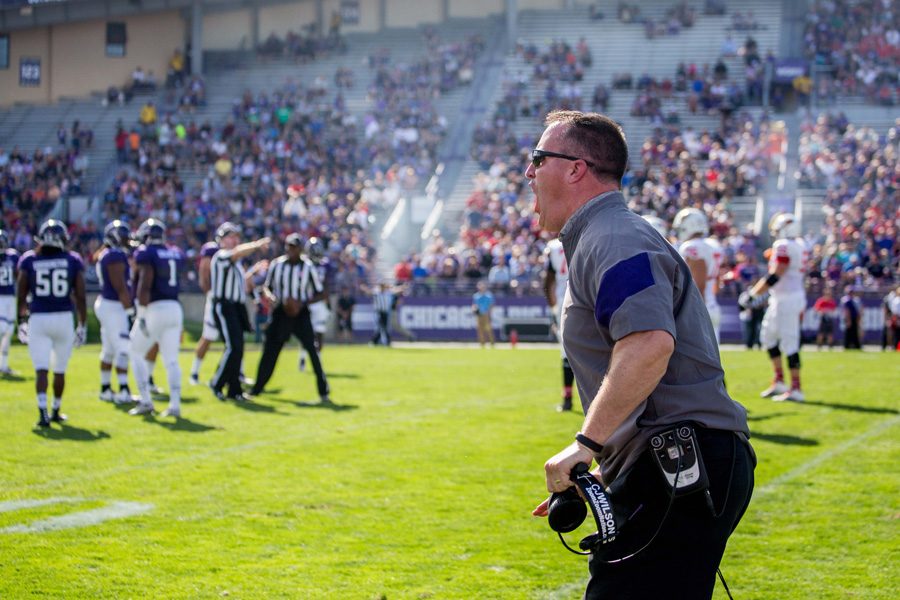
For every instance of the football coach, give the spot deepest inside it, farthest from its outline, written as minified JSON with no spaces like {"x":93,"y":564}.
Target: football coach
{"x":646,"y":362}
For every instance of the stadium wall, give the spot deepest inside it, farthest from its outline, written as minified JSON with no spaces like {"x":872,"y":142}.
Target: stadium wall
{"x":287,"y":17}
{"x":73,"y":56}
{"x":229,"y":30}
{"x":477,"y":8}
{"x":403,"y":13}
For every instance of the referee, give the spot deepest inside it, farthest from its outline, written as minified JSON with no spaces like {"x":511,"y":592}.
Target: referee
{"x":293,"y":283}
{"x":229,"y":294}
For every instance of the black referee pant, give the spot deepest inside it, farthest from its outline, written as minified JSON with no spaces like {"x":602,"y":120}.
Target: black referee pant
{"x":681,"y":561}
{"x":231,"y":328}
{"x":278,"y":333}
{"x":383,"y":329}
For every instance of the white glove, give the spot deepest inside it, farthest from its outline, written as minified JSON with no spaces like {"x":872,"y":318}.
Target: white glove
{"x":80,"y":335}
{"x":142,"y":320}
{"x":22,"y":331}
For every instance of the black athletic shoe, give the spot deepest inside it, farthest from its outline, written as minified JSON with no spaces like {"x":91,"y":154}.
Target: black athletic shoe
{"x":58,"y":417}
{"x":566,"y":406}
{"x":242,"y":397}
{"x":217,"y":393}
{"x":45,"y":418}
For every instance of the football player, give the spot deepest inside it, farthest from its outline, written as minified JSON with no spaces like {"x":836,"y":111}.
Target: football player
{"x":54,"y":277}
{"x":691,"y":226}
{"x":159,"y":314}
{"x":9,"y":260}
{"x":115,"y":310}
{"x":319,"y":313}
{"x":210,"y":332}
{"x":555,"y":284}
{"x":787,"y":300}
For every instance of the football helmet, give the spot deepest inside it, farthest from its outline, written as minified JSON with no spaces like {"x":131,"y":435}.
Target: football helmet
{"x":784,"y":226}
{"x":116,"y":234}
{"x":151,"y":231}
{"x":657,"y":224}
{"x":315,"y":249}
{"x":689,"y":222}
{"x":53,"y":234}
{"x":4,"y":240}
{"x":226,"y":228}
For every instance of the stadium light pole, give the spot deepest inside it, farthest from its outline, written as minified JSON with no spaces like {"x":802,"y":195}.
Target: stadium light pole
{"x":197,"y":37}
{"x":512,"y":13}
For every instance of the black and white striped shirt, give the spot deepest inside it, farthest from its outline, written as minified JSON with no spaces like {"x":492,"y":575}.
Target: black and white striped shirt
{"x":227,"y":278}
{"x":300,"y":280}
{"x":383,"y":300}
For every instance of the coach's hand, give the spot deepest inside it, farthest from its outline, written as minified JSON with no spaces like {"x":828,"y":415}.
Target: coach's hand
{"x":22,"y":330}
{"x":80,"y":335}
{"x":557,"y":469}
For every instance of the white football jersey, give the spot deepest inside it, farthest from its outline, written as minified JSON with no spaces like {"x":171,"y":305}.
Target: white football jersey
{"x":700,"y":249}
{"x":718,"y":257}
{"x":557,"y":259}
{"x":794,"y":253}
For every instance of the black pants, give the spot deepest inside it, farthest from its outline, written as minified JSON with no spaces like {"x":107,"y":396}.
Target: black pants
{"x":851,"y":335}
{"x":383,"y":331}
{"x":682,"y":561}
{"x":230,"y":317}
{"x":278,"y":333}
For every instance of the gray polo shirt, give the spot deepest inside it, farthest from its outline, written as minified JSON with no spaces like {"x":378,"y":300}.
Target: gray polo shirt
{"x":625,"y":278}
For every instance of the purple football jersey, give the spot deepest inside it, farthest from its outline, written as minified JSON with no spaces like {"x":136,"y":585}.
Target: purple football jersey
{"x":208,"y":249}
{"x":51,"y":280}
{"x":108,"y":257}
{"x":167,"y":263}
{"x":9,"y":259}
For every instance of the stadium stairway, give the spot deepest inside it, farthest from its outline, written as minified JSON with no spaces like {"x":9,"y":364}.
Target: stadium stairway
{"x":617,"y":48}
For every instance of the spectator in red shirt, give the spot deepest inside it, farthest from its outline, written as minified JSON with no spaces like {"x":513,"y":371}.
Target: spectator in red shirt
{"x":826,"y":308}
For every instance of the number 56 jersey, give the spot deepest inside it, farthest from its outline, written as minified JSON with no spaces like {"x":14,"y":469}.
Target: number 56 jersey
{"x":51,"y":279}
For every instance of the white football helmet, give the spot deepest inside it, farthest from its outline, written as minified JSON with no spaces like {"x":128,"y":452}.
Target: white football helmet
{"x":784,"y":226}
{"x":657,"y":224}
{"x":690,"y":222}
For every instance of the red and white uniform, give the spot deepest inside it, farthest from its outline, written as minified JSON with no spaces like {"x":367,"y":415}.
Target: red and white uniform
{"x":700,"y":249}
{"x":787,"y":300}
{"x":556,"y":261}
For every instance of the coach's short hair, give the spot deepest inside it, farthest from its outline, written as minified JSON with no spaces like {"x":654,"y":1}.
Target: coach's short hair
{"x":597,"y":139}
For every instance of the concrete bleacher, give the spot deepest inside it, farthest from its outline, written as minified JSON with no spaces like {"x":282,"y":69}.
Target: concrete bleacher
{"x":406,"y":45}
{"x":617,"y":48}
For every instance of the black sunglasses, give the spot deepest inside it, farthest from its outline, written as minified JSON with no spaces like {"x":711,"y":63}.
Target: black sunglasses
{"x":538,"y":156}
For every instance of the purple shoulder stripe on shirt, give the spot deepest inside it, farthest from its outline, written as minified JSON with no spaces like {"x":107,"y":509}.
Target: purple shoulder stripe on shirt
{"x":208,"y":249}
{"x":622,"y":281}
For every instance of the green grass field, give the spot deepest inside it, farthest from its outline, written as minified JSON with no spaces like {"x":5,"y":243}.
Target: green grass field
{"x":417,"y":484}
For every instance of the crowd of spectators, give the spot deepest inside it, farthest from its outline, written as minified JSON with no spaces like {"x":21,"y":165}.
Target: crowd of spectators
{"x":403,"y":125}
{"x":291,"y":159}
{"x":859,"y":170}
{"x":304,"y":46}
{"x":31,"y":184}
{"x":860,"y":41}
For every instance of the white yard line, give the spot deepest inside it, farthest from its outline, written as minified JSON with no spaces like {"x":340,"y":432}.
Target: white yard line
{"x":11,"y":505}
{"x":575,"y":589}
{"x":827,"y":455}
{"x":113,"y":510}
